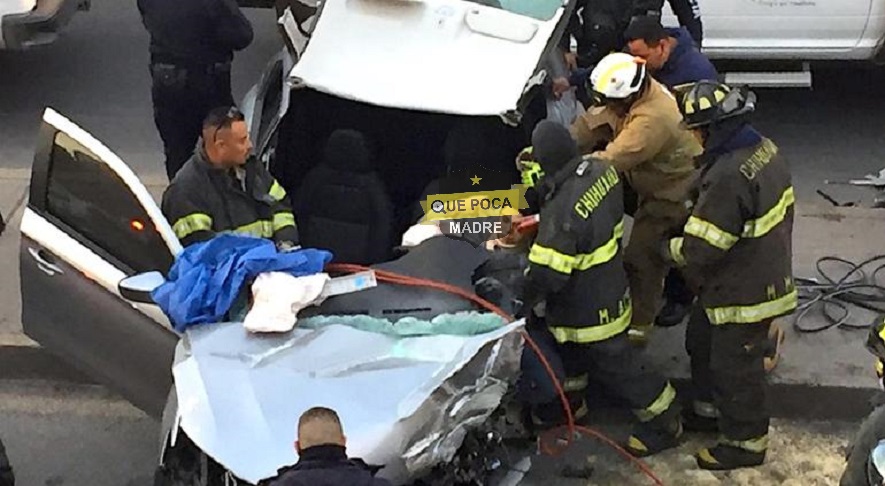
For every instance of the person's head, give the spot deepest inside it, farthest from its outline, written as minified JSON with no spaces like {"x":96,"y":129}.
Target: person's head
{"x":552,"y":146}
{"x":226,"y":138}
{"x":319,"y":426}
{"x":617,"y":81}
{"x":348,"y":150}
{"x":708,"y":105}
{"x":647,"y":38}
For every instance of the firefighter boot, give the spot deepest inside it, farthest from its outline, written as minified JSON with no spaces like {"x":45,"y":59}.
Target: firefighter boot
{"x":652,"y":437}
{"x":552,"y":415}
{"x":724,"y":457}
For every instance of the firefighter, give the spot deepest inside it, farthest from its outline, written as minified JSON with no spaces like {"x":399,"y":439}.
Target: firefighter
{"x":737,"y":252}
{"x":576,"y":270}
{"x":222,"y":188}
{"x":636,"y":128}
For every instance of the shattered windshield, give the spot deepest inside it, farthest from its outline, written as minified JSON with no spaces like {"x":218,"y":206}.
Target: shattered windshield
{"x":536,"y":9}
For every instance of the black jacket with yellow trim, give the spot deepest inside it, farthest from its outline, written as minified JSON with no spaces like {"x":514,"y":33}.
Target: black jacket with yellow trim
{"x":203,"y":200}
{"x":576,"y":262}
{"x":737,"y":244}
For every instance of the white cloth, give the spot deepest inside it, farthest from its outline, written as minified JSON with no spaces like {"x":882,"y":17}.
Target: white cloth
{"x":277,"y":298}
{"x":420,"y":232}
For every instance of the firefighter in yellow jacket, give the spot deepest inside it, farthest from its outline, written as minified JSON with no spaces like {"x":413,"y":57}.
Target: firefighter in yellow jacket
{"x":636,"y":128}
{"x":737,"y":253}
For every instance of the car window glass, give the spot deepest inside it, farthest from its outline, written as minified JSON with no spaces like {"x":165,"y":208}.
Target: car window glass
{"x":89,"y":197}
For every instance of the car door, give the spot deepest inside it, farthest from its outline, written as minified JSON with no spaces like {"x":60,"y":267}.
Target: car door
{"x":266,"y":103}
{"x":88,"y":224}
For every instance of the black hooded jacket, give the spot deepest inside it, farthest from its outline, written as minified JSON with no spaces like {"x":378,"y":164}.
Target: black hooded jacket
{"x":326,"y":465}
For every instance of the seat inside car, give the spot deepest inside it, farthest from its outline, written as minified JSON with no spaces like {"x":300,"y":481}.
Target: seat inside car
{"x":343,"y":205}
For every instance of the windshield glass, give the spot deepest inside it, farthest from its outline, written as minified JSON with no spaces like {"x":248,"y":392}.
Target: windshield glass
{"x":536,"y":9}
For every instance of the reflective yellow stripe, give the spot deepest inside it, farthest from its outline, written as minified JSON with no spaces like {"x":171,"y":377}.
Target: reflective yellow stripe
{"x":283,"y":219}
{"x":259,"y":229}
{"x":759,"y":227}
{"x":759,"y":444}
{"x":749,"y":314}
{"x":593,"y":334}
{"x":575,"y":383}
{"x":601,"y":255}
{"x":563,"y":263}
{"x":276,"y":191}
{"x":710,"y":233}
{"x":548,"y":257}
{"x":880,"y":368}
{"x":676,"y":251}
{"x":191,"y":224}
{"x":659,"y":406}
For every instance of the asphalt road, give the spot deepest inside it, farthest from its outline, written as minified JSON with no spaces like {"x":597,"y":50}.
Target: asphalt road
{"x":96,"y":74}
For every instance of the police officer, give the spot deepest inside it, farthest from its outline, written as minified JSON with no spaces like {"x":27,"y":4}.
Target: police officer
{"x":737,"y":251}
{"x":576,"y":269}
{"x":635,"y":127}
{"x":599,"y":26}
{"x":222,"y":188}
{"x":192,"y":45}
{"x":7,"y":478}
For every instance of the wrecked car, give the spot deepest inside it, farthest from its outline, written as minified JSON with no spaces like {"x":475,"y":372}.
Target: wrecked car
{"x":402,"y":72}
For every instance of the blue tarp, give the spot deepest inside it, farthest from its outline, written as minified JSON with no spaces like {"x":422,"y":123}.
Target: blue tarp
{"x":207,"y":277}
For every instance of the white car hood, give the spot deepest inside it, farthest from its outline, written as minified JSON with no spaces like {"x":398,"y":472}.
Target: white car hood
{"x":427,"y":55}
{"x":240,"y":395}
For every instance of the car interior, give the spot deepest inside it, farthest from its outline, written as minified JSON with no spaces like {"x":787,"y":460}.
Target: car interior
{"x":407,"y":153}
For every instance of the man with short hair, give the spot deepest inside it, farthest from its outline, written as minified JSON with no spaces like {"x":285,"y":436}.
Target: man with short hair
{"x":322,"y":456}
{"x":669,"y":53}
{"x":223,"y":188}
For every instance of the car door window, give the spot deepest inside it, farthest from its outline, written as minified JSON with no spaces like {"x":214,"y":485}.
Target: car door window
{"x":88,"y":197}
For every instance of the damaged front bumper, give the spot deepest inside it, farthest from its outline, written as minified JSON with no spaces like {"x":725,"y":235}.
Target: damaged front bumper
{"x":407,"y":403}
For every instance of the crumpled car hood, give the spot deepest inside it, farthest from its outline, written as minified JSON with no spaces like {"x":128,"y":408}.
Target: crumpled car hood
{"x":447,"y":56}
{"x":404,"y":401}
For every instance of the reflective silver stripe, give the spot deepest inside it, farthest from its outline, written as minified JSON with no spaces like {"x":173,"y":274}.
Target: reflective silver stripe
{"x":705,"y":409}
{"x":710,"y":233}
{"x":749,"y":314}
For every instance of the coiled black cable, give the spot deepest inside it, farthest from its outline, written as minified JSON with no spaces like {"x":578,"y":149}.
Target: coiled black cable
{"x":858,"y":287}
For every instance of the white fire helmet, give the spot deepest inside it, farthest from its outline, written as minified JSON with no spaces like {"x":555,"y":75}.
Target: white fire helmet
{"x":617,"y":76}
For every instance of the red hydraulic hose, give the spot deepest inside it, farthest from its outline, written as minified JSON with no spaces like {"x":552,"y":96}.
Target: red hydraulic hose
{"x":550,"y":436}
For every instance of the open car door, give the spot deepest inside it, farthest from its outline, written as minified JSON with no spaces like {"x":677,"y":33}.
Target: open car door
{"x":88,"y":224}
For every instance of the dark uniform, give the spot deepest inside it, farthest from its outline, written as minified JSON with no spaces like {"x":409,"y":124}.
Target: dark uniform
{"x":576,"y":266}
{"x":192,"y":45}
{"x":203,"y":200}
{"x":598,"y":26}
{"x":737,"y":251}
{"x":326,"y":465}
{"x":7,"y":478}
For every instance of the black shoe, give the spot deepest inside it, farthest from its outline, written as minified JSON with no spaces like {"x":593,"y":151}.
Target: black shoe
{"x":551,"y":415}
{"x":672,"y":314}
{"x":726,"y":457}
{"x":646,"y":440}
